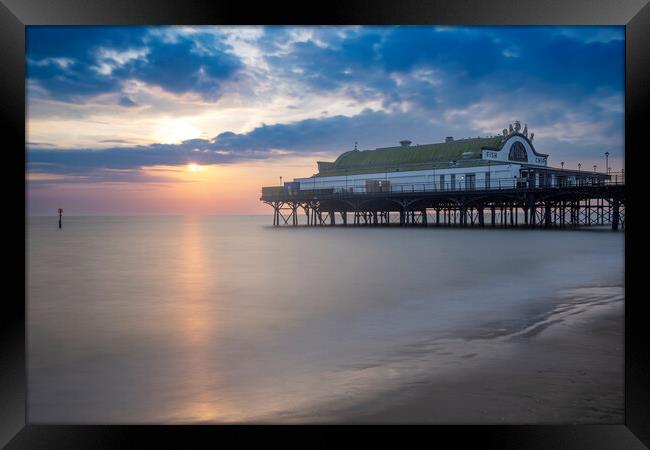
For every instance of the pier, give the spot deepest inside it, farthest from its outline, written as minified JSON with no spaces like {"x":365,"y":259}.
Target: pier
{"x":491,"y":181}
{"x":511,"y":205}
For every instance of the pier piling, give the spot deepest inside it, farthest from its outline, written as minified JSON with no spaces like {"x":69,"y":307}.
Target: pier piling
{"x":564,"y":207}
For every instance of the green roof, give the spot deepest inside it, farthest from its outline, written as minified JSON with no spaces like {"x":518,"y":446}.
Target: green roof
{"x":416,"y":157}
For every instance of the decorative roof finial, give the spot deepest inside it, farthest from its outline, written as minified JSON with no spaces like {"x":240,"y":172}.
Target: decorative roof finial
{"x":532,"y":135}
{"x":517,"y":126}
{"x":355,"y":145}
{"x":526,"y":130}
{"x":510,"y":130}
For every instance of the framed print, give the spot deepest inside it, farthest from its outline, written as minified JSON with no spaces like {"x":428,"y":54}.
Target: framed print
{"x":278,"y":220}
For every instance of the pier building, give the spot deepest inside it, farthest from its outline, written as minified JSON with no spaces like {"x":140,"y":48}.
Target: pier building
{"x":461,"y":177}
{"x":509,"y":159}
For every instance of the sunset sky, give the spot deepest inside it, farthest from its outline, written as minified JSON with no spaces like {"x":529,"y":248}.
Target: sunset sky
{"x":194,"y":120}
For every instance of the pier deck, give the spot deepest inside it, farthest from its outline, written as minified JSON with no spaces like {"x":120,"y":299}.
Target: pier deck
{"x":507,"y":206}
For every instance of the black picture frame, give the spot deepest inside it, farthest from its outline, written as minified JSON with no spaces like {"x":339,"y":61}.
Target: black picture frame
{"x":16,"y":14}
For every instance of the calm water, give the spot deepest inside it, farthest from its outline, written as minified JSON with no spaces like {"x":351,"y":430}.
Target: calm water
{"x":184,"y":319}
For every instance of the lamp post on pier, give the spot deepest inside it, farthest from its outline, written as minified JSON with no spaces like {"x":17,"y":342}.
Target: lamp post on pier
{"x":60,"y":216}
{"x":607,"y":162}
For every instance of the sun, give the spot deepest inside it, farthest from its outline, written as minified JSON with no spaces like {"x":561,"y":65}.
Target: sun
{"x":193,"y":167}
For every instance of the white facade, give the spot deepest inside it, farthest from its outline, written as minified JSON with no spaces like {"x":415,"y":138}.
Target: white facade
{"x":488,"y":176}
{"x":503,"y":154}
{"x":515,"y":164}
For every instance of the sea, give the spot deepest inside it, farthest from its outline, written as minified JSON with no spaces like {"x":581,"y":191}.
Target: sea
{"x":226,"y":319}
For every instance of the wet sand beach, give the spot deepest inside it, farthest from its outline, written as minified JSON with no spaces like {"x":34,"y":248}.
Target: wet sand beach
{"x":523,"y":382}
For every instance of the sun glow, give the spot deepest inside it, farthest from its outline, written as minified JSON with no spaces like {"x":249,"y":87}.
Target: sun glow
{"x":174,"y":131}
{"x":193,"y":167}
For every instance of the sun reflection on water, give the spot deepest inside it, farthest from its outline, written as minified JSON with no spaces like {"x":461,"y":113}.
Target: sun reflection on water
{"x":198,"y":327}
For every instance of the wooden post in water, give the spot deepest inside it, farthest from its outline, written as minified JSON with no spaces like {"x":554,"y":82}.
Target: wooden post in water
{"x":60,"y":216}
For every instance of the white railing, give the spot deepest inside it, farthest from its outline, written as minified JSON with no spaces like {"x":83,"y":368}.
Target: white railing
{"x":461,"y":185}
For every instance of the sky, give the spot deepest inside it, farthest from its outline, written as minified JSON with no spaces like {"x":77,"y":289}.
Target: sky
{"x":194,"y":120}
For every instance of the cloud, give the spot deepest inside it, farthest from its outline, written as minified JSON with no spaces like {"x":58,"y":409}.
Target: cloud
{"x":95,"y":175}
{"x":423,"y":83}
{"x":467,"y":64}
{"x":112,"y":141}
{"x":73,"y":63}
{"x":127,"y":102}
{"x":563,"y":132}
{"x":329,"y":134}
{"x":40,"y":144}
{"x":108,"y":164}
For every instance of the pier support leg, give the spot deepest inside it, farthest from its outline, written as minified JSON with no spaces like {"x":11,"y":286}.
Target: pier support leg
{"x":481,"y":219}
{"x":525,"y":209}
{"x":516,"y":216}
{"x":616,"y":215}
{"x":533,"y":215}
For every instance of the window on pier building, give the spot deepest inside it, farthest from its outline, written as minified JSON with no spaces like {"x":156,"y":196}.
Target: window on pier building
{"x":442,"y":181}
{"x":453,"y":181}
{"x":487,"y":180}
{"x":518,"y":152}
